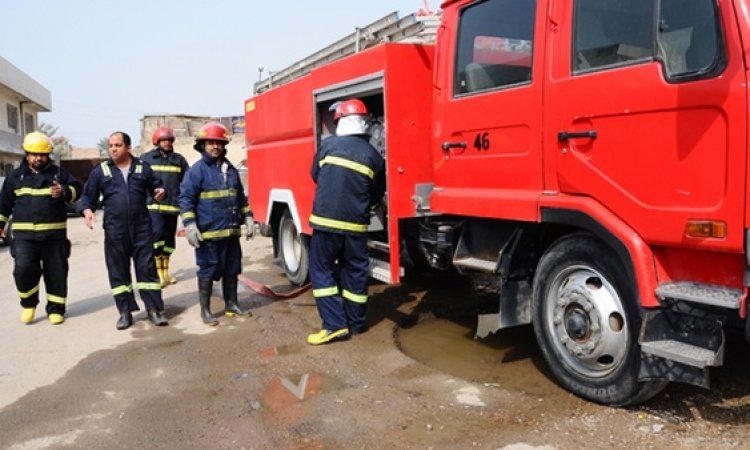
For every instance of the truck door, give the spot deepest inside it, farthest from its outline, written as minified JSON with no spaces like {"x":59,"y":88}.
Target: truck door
{"x":649,"y":114}
{"x":488,"y":109}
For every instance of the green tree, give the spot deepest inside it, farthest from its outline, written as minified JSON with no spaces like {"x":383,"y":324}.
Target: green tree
{"x":103,"y":146}
{"x":61,"y":145}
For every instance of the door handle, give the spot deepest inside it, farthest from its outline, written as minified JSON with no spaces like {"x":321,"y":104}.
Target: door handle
{"x":447,"y":146}
{"x":565,"y":135}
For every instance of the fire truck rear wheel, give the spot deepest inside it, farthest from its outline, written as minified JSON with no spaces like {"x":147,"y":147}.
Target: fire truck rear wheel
{"x":293,"y":251}
{"x":586,"y":322}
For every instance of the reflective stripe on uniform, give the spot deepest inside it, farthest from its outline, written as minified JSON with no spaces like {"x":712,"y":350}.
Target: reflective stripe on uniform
{"x":32,"y":191}
{"x":28,"y":226}
{"x":105,"y":170}
{"x":246,"y":210}
{"x":56,"y":299}
{"x":338,"y":224}
{"x":219,"y":193}
{"x":163,"y":208}
{"x":3,"y":218}
{"x":347,"y":164}
{"x":325,"y":292}
{"x":356,"y":298}
{"x":163,"y":168}
{"x":138,"y":168}
{"x":187,"y":215}
{"x":29,"y":293}
{"x":168,"y":250}
{"x":159,"y":244}
{"x":145,"y":286}
{"x":218,"y":234}
{"x":73,"y":193}
{"x":122,"y":289}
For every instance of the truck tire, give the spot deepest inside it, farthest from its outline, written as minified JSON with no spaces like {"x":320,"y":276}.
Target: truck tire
{"x":293,"y":251}
{"x":586,"y":321}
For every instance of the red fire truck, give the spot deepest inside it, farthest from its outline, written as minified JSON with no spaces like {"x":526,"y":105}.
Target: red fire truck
{"x":591,"y":154}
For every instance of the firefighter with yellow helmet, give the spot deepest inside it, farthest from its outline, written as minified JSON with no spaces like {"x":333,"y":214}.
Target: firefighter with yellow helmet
{"x":34,"y":196}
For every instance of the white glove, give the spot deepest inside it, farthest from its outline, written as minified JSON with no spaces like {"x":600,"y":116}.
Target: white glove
{"x":250,"y":228}
{"x":193,"y":235}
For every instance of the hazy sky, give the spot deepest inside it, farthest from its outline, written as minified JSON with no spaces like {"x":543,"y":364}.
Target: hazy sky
{"x":108,"y":63}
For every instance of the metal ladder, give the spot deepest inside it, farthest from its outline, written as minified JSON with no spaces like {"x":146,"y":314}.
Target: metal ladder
{"x":390,"y":28}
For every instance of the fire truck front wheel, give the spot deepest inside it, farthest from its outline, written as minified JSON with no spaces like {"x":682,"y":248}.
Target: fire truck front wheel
{"x":293,"y":250}
{"x":586,"y":322}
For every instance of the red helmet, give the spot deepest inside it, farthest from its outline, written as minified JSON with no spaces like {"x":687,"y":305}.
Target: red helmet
{"x":212,"y":131}
{"x":349,"y":108}
{"x":162,"y":134}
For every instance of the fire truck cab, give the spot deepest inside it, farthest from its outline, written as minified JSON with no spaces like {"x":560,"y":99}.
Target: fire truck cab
{"x":591,"y":154}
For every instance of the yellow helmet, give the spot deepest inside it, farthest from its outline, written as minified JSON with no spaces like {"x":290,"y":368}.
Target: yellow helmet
{"x":37,"y":142}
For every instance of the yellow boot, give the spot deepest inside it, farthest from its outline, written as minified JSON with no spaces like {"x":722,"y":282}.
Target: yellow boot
{"x":169,"y":278}
{"x":56,"y":319}
{"x":27,"y":315}
{"x":160,"y":270}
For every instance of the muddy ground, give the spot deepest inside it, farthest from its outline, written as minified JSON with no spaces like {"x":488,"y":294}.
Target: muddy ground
{"x":417,"y":379}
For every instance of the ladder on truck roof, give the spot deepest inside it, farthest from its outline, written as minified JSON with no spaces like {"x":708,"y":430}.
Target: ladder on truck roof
{"x":409,"y":29}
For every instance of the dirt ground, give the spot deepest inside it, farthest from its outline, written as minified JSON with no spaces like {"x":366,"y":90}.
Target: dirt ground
{"x":417,"y":379}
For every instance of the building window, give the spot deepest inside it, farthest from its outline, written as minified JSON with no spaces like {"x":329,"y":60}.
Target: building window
{"x":28,"y":123}
{"x":13,"y":118}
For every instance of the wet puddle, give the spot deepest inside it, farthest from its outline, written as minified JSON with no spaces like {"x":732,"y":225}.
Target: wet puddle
{"x":509,"y":359}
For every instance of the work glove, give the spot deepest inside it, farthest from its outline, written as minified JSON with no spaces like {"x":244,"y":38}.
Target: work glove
{"x":193,"y":235}
{"x":250,"y":228}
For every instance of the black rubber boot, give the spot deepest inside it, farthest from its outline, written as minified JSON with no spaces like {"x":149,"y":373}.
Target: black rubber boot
{"x":125,"y":321}
{"x":229,"y":288}
{"x":205,"y":286}
{"x":157,"y":317}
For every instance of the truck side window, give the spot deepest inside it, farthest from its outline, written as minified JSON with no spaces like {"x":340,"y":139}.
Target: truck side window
{"x":494,"y":46}
{"x":614,"y":33}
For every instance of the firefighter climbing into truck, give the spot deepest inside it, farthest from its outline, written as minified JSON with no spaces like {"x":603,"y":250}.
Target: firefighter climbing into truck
{"x":590,"y":155}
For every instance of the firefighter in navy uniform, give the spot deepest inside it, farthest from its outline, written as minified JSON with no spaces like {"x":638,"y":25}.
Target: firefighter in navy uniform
{"x":170,"y":167}
{"x":35,"y":195}
{"x":350,"y":178}
{"x":213,"y":206}
{"x":125,"y":182}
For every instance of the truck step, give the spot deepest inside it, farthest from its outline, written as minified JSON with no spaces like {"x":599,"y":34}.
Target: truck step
{"x":705,"y":294}
{"x":475,"y":264}
{"x":381,"y":271}
{"x":683,"y":353}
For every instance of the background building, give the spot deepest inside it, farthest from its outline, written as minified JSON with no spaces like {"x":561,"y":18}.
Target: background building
{"x":21,"y":100}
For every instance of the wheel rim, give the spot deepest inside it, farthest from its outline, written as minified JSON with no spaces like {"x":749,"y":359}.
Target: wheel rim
{"x":586,"y":322}
{"x":291,"y":249}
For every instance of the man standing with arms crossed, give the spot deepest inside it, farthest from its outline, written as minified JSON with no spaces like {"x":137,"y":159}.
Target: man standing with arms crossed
{"x":124,"y":182}
{"x":170,"y":167}
{"x":35,"y":195}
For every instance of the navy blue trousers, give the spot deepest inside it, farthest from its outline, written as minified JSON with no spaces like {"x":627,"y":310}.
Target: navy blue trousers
{"x":220,"y":258}
{"x":119,"y":251}
{"x":341,"y":303}
{"x":34,"y":259}
{"x":164,"y":228}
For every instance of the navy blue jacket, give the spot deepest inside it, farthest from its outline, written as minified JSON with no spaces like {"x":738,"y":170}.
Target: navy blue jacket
{"x":350,"y":177}
{"x":26,"y":196}
{"x":212,"y":196}
{"x":170,"y":168}
{"x":124,"y":203}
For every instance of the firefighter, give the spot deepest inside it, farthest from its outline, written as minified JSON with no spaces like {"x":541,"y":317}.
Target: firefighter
{"x":170,"y":167}
{"x":350,"y":178}
{"x":124,"y":182}
{"x":213,"y":206}
{"x":35,"y":194}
